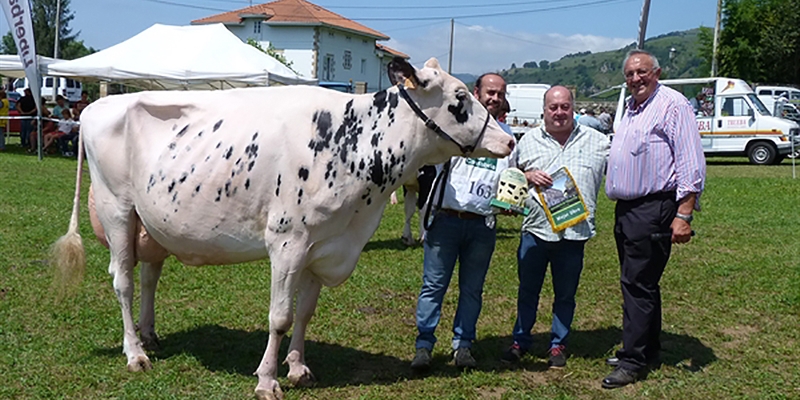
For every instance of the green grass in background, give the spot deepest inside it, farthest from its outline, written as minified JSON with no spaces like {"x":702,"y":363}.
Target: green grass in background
{"x":731,"y":310}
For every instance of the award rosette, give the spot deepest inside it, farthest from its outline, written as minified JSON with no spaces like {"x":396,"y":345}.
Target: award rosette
{"x":512,"y":190}
{"x":562,"y":202}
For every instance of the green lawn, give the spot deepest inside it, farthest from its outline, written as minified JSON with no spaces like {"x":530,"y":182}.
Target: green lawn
{"x":731,"y":310}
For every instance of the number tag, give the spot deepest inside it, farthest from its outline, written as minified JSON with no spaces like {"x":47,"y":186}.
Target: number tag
{"x":481,"y":189}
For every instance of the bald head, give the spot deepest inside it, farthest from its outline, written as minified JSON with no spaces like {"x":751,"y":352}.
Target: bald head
{"x":559,"y":105}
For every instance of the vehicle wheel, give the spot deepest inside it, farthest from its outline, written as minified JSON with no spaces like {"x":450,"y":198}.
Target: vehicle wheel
{"x":762,"y":153}
{"x":779,"y":159}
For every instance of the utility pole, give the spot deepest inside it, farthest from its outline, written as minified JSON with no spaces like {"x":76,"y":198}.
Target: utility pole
{"x":55,"y":45}
{"x":643,"y":23}
{"x":450,"y":54}
{"x":716,"y":40}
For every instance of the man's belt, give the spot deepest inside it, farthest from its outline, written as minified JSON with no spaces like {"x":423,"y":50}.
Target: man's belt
{"x":460,"y":214}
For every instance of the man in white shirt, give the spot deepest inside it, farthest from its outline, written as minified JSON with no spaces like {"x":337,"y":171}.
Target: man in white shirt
{"x":560,"y":142}
{"x":463,"y":229}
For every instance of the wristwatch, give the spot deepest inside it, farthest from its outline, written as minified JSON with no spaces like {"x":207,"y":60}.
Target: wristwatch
{"x":687,"y":218}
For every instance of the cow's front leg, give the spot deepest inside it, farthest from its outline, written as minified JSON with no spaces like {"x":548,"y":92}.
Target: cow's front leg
{"x":307,"y":296}
{"x":148,"y":278}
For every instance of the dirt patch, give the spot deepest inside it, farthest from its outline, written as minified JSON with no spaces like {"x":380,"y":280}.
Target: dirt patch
{"x":491,"y":393}
{"x":736,"y":336}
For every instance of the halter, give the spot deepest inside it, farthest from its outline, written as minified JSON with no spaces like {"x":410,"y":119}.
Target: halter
{"x":432,"y":125}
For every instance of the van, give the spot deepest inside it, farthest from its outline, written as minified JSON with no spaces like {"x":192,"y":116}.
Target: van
{"x":732,"y":120}
{"x":67,"y":87}
{"x":527,"y":105}
{"x":775,"y":98}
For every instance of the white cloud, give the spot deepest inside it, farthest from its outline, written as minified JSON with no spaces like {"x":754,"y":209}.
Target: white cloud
{"x":479,"y":49}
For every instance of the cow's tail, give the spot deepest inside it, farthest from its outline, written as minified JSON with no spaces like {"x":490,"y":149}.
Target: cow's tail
{"x":67,"y":254}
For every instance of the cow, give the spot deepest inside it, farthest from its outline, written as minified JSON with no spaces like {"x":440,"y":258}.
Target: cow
{"x":415,"y":195}
{"x":298,"y":174}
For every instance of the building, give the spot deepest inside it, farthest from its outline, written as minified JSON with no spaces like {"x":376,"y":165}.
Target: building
{"x":319,"y":43}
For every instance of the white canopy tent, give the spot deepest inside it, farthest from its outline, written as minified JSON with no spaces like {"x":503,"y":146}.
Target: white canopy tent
{"x":11,"y":66}
{"x":181,"y":57}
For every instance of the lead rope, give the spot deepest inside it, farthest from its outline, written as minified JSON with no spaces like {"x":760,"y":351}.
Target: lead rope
{"x":441,"y":179}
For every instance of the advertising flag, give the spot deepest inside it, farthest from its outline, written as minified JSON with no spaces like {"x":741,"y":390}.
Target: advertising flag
{"x":18,"y":14}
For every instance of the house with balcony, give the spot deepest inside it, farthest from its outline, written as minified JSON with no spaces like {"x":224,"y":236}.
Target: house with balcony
{"x":319,"y":43}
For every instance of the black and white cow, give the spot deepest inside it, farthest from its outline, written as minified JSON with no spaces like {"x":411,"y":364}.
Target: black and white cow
{"x":297,"y":174}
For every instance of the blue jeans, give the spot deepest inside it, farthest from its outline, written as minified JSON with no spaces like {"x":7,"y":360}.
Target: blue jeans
{"x":566,"y":262}
{"x":472,"y":243}
{"x":25,"y":129}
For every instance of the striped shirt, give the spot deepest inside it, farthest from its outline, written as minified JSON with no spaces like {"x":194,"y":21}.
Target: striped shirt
{"x":657,"y":148}
{"x":584,"y":154}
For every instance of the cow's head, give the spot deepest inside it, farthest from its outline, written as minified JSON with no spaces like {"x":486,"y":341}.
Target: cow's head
{"x":465,"y":126}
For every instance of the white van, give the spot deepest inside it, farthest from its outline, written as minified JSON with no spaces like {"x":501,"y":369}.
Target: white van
{"x":732,"y":120}
{"x":527,"y":105}
{"x":775,"y":98}
{"x":69,"y":88}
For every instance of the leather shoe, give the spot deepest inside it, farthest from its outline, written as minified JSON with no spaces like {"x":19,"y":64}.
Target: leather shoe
{"x":619,"y":378}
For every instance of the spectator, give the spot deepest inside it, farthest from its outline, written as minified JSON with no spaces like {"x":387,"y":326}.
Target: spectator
{"x":583,"y":150}
{"x":588,"y":119}
{"x":83,"y":102}
{"x":606,"y":119}
{"x":27,"y":108}
{"x":656,"y":172}
{"x":4,"y":107}
{"x":463,"y":229}
{"x":66,"y":126}
{"x":697,"y":103}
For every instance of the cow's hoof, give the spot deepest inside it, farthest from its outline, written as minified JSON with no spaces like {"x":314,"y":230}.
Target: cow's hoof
{"x":302,"y":378}
{"x":266,"y":394}
{"x":408,"y":241}
{"x":150,"y":342}
{"x":139,"y":363}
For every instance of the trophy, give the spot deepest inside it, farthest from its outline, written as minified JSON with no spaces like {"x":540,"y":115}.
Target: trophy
{"x":512,"y":190}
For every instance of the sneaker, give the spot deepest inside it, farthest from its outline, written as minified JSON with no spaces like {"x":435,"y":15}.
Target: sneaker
{"x":422,"y":360}
{"x":513,"y":354}
{"x":463,"y":358}
{"x":557,"y":357}
{"x":69,"y":154}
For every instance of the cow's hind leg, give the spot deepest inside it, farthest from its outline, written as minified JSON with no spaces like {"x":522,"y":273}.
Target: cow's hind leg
{"x":148,"y":277}
{"x":307,"y":295}
{"x":409,"y":206}
{"x":286,"y":272}
{"x":119,"y":223}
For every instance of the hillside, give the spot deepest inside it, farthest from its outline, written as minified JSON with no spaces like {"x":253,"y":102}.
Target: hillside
{"x":593,"y":72}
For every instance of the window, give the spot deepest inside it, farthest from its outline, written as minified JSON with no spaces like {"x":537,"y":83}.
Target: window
{"x":256,"y":26}
{"x":330,"y":33}
{"x":765,"y":92}
{"x":347,"y":38}
{"x":736,"y":107}
{"x":363,"y":65}
{"x":347,"y":63}
{"x":48,"y":82}
{"x":327,"y":67}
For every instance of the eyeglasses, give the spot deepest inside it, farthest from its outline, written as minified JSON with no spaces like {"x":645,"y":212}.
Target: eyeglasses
{"x":640,"y":72}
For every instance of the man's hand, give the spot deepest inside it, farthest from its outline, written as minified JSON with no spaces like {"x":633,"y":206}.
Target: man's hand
{"x":681,"y":231}
{"x":539,"y":178}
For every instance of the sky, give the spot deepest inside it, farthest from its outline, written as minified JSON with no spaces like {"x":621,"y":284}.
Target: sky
{"x":488,"y":35}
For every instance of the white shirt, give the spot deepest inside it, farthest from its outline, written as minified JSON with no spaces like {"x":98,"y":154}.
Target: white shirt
{"x":585,"y":155}
{"x":472,"y":182}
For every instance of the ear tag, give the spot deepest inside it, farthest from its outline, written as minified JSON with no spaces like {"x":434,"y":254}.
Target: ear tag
{"x":409,"y":84}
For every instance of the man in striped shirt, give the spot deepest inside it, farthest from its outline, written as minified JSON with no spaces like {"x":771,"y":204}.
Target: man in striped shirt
{"x":656,"y":172}
{"x":560,"y":142}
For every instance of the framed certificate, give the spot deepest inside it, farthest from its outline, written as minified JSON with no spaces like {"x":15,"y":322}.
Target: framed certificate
{"x":562,"y":202}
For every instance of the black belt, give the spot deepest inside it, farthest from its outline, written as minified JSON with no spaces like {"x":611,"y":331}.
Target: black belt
{"x":460,"y":214}
{"x":670,"y":195}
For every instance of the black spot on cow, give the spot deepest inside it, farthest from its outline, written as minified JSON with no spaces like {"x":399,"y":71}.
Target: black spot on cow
{"x":200,"y":134}
{"x":175,"y":211}
{"x":376,"y":170}
{"x":219,"y":194}
{"x":183,"y":131}
{"x":207,"y":158}
{"x":197,"y":188}
{"x":151,"y":183}
{"x":303,"y":173}
{"x":255,"y":135}
{"x":300,"y":192}
{"x":459,"y":112}
{"x":328,"y":170}
{"x":369,"y":201}
{"x":352,"y":167}
{"x":174,"y":196}
{"x":402,"y":144}
{"x":183,"y":177}
{"x":393,"y":100}
{"x":247,"y":184}
{"x":217,"y":125}
{"x":284,"y":244}
{"x":228,"y":153}
{"x":361,"y":165}
{"x":376,"y":138}
{"x":323,"y":140}
{"x":250,"y":166}
{"x":218,"y":145}
{"x":239,"y":161}
{"x":192,"y":171}
{"x":278,"y":188}
{"x":172,"y":145}
{"x":251,"y":150}
{"x":379,"y":101}
{"x":233,"y":173}
{"x":171,"y":186}
{"x":228,"y":188}
{"x":330,"y":184}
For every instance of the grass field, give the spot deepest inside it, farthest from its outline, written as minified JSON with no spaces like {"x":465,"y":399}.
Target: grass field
{"x":731,"y":310}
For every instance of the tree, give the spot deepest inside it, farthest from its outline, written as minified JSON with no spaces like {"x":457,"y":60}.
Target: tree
{"x":544,"y":64}
{"x":271,"y":51}
{"x":513,"y":65}
{"x":44,"y":26}
{"x":530,"y":64}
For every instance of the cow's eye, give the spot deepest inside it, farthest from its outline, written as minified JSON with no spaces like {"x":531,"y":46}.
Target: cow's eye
{"x":461,"y":96}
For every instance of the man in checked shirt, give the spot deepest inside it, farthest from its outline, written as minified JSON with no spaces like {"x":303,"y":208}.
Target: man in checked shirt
{"x":656,"y":172}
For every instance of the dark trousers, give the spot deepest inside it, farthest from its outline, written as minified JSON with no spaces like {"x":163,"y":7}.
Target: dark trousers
{"x":642,"y":261}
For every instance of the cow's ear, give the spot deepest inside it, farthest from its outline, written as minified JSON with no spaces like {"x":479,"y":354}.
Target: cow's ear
{"x":400,"y":71}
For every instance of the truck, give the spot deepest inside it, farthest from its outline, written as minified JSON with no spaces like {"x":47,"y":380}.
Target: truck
{"x":527,"y":106}
{"x":732,"y":120}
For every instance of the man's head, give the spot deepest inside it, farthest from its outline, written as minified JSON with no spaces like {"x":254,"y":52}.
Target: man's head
{"x":641,"y":71}
{"x":60,"y":100}
{"x":590,"y":112}
{"x":559,"y":106}
{"x":490,"y":90}
{"x":28,"y":92}
{"x":700,"y":96}
{"x":66,"y":114}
